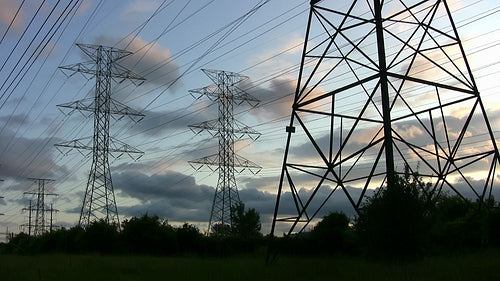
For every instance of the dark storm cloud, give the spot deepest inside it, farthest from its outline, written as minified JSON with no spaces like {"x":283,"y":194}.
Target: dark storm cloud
{"x":265,"y":202}
{"x":177,"y":197}
{"x":24,"y":158}
{"x":171,"y":195}
{"x":15,"y":120}
{"x":275,"y":100}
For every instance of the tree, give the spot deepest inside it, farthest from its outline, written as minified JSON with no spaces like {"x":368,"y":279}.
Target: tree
{"x":189,"y":238}
{"x":220,"y":230}
{"x":393,"y":222}
{"x":332,"y":233}
{"x":149,"y":234}
{"x":245,"y":224}
{"x":102,"y":237}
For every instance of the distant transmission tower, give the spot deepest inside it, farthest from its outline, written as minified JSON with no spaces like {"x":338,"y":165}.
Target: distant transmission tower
{"x":382,"y":85}
{"x":40,"y":226}
{"x":226,"y":93}
{"x":1,"y":214}
{"x":99,"y":201}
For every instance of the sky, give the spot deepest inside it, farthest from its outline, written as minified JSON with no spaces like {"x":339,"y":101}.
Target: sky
{"x":171,"y":41}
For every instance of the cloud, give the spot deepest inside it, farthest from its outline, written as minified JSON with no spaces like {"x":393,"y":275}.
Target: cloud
{"x":137,"y":9}
{"x":158,"y":123}
{"x":170,"y":195}
{"x":416,"y":135}
{"x":276,"y":99}
{"x":149,"y":59}
{"x":283,"y":55}
{"x":84,"y":6}
{"x":7,"y":13}
{"x":24,"y":158}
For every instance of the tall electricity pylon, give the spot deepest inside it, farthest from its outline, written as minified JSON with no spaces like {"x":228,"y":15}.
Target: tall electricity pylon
{"x":226,"y":93}
{"x":99,"y":201}
{"x":40,"y":226}
{"x":383,"y":85}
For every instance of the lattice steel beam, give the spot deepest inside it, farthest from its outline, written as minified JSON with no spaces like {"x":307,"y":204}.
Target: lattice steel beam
{"x":99,"y":201}
{"x":226,"y":93}
{"x":382,"y":85}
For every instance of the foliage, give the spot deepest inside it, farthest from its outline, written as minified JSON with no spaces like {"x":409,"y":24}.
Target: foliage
{"x":148,"y":235}
{"x":101,"y":237}
{"x":189,"y":238}
{"x":245,"y":224}
{"x":333,"y":234}
{"x":393,"y":222}
{"x":220,"y":230}
{"x":139,"y":235}
{"x":402,"y":221}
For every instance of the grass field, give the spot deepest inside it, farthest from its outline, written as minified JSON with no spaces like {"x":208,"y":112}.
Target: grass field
{"x":478,"y":266}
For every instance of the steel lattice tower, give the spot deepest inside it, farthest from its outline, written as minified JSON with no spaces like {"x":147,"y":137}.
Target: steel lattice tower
{"x":226,"y":93}
{"x":382,"y":85}
{"x":40,"y":226}
{"x":99,"y":201}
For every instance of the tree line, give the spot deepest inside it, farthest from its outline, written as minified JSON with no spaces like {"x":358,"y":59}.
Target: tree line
{"x":146,"y":235}
{"x":406,"y":220}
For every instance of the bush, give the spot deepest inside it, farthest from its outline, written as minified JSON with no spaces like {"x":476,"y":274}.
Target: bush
{"x":148,"y":235}
{"x":333,"y":234}
{"x":393,"y":222}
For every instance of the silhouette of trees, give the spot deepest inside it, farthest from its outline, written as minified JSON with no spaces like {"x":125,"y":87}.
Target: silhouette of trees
{"x":246,"y":224}
{"x":394,"y":221}
{"x":401,"y":221}
{"x":101,"y":237}
{"x":333,"y":234}
{"x":220,"y":230}
{"x":148,"y":235}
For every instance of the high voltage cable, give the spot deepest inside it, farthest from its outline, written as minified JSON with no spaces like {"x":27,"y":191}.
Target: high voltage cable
{"x":12,"y":21}
{"x":55,"y":71}
{"x":139,"y":29}
{"x":17,"y":43}
{"x":236,"y":25}
{"x":36,"y":75}
{"x":33,"y":57}
{"x":292,"y":47}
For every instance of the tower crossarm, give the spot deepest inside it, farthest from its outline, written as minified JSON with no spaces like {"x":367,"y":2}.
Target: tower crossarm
{"x":117,"y":71}
{"x":115,"y":146}
{"x":239,"y":129}
{"x":92,"y":50}
{"x":237,"y":95}
{"x":242,"y":162}
{"x":213,"y":160}
{"x":115,"y":107}
{"x":118,"y":146}
{"x":96,"y":53}
{"x":231,"y":78}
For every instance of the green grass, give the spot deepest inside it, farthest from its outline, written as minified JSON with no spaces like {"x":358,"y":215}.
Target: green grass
{"x":477,"y":266}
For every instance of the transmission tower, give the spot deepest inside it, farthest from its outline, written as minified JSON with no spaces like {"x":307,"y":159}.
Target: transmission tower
{"x":226,"y":93}
{"x":99,"y":201}
{"x":382,"y":85}
{"x":1,"y":214}
{"x":40,"y":226}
